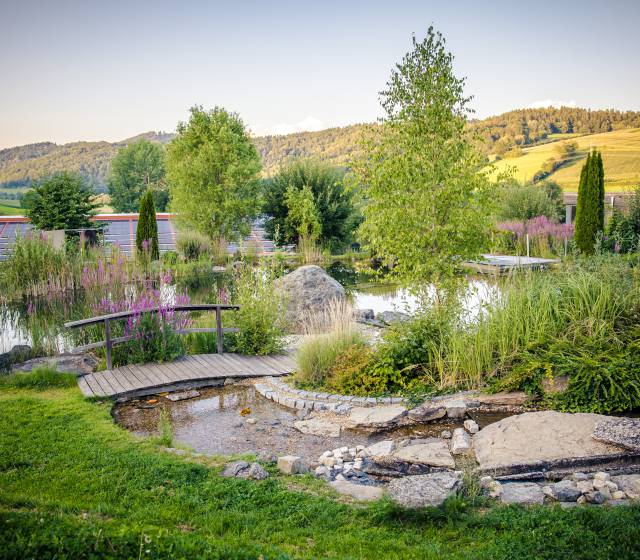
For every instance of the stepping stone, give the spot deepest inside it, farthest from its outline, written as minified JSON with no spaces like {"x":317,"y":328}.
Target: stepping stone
{"x":624,"y":432}
{"x":361,"y":492}
{"x":375,"y":417}
{"x":183,"y":395}
{"x":536,"y":440}
{"x":424,"y":490}
{"x":434,"y":453}
{"x":527,"y":493}
{"x":318,"y":427}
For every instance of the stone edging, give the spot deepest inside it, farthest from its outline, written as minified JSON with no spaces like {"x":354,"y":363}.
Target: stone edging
{"x":280,"y":392}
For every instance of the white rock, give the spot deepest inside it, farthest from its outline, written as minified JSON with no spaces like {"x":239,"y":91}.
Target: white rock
{"x":460,"y":441}
{"x":375,"y":417}
{"x":251,"y":420}
{"x":425,"y":489}
{"x":434,"y":452}
{"x":321,"y":471}
{"x":485,"y":481}
{"x":327,"y":454}
{"x":602,"y":476}
{"x":456,"y":408}
{"x":357,"y":491}
{"x":522,"y":493}
{"x":612,"y":486}
{"x":618,"y":495}
{"x":291,"y":464}
{"x":584,"y":486}
{"x":359,"y":448}
{"x":344,"y":450}
{"x":471,"y":426}
{"x":337,"y":454}
{"x":599,"y":483}
{"x":495,"y":489}
{"x":328,"y":461}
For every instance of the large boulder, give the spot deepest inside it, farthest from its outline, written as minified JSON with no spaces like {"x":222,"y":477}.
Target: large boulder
{"x":375,"y":418}
{"x":79,"y":364}
{"x":308,"y":290}
{"x":526,"y":493}
{"x":19,"y":353}
{"x":424,"y":490}
{"x":540,"y":440}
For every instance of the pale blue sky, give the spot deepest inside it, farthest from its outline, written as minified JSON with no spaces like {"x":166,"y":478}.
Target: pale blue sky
{"x":86,"y":70}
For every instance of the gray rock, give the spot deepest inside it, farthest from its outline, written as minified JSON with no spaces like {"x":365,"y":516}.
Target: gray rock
{"x":358,"y":491}
{"x":460,"y":441}
{"x":19,"y":353}
{"x":307,"y":290}
{"x":456,"y":408}
{"x":183,"y":395}
{"x":579,"y":476}
{"x":232,"y":470}
{"x":565,"y":491}
{"x":256,"y":472}
{"x":526,"y":493}
{"x":391,"y":317}
{"x":424,"y":490}
{"x":446,"y":434}
{"x":624,"y":432}
{"x":629,"y":484}
{"x":595,"y":497}
{"x":79,"y":364}
{"x":433,"y":453}
{"x":377,"y":417}
{"x":427,"y":412}
{"x":363,"y":315}
{"x":471,"y":426}
{"x":382,"y":448}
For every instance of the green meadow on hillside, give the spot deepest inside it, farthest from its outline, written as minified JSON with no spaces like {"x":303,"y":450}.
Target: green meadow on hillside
{"x":620,"y":151}
{"x":10,"y":207}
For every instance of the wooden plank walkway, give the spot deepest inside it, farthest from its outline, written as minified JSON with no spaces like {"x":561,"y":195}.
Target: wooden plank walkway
{"x":197,"y":370}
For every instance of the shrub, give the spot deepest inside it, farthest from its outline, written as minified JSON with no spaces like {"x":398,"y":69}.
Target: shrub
{"x":193,"y":245}
{"x":40,"y":379}
{"x":260,"y":319}
{"x":165,"y":429}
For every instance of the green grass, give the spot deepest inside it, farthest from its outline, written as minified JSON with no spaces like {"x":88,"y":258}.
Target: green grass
{"x":10,"y":208}
{"x":74,"y":485}
{"x":620,"y":151}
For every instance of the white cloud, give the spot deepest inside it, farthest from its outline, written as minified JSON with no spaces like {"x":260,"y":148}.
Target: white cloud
{"x":544,"y":103}
{"x":308,"y":124}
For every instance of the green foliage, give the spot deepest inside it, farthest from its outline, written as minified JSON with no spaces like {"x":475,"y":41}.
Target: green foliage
{"x":136,"y":169}
{"x":193,"y":245}
{"x":32,"y":260}
{"x":334,"y":217}
{"x":590,"y":209}
{"x":65,"y":495}
{"x":154,"y":340}
{"x":426,"y":196}
{"x":260,"y":319}
{"x":61,"y":201}
{"x":212,"y":167}
{"x":523,"y":202}
{"x":147,"y":230}
{"x":40,"y":379}
{"x":165,"y":429}
{"x":318,"y":357}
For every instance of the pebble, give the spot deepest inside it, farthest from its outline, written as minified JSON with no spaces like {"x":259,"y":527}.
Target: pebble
{"x":618,"y":495}
{"x":446,"y":434}
{"x":251,"y":420}
{"x":602,"y":476}
{"x":579,"y":477}
{"x":471,"y":426}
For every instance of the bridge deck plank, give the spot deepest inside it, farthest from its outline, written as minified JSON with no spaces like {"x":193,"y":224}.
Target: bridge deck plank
{"x":198,"y":370}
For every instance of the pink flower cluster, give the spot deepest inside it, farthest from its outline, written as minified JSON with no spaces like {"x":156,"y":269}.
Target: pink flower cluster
{"x":540,"y":226}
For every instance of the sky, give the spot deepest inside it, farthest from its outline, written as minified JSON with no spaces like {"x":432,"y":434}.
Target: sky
{"x":87,"y":70}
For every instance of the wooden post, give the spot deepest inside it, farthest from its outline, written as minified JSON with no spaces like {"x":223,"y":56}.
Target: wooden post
{"x":528,"y":255}
{"x":219,"y":329}
{"x":107,"y":333}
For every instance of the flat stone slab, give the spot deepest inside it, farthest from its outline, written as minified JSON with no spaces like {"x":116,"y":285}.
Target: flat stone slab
{"x":358,"y":491}
{"x":540,"y":439}
{"x":424,"y":490}
{"x":434,"y":453}
{"x":624,"y":432}
{"x":375,"y":417}
{"x":318,"y":427}
{"x":527,"y":493}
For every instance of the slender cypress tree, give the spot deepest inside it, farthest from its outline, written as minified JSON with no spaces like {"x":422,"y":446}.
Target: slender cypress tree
{"x":147,"y":231}
{"x":590,"y":210}
{"x":600,"y":177}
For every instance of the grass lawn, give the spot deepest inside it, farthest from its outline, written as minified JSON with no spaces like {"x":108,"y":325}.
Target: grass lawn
{"x":620,"y":152}
{"x":10,"y":207}
{"x":74,"y":485}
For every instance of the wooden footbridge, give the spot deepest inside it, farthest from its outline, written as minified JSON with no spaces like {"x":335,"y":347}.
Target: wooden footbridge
{"x":187,"y":372}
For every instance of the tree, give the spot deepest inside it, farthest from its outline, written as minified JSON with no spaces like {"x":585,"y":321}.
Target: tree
{"x":523,"y":202}
{"x":590,"y":208}
{"x":336,"y":212}
{"x":302,"y":214}
{"x":61,"y":201}
{"x":426,"y":195}
{"x":147,"y":230}
{"x":212,"y":167}
{"x":135,"y":169}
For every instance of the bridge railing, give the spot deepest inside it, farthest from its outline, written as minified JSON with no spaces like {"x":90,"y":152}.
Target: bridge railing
{"x":110,"y":341}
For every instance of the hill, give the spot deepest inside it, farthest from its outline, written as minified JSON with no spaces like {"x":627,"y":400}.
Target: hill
{"x":503,"y":135}
{"x":620,"y":152}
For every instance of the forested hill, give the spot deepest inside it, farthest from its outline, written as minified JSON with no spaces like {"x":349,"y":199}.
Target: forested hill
{"x":500,"y":134}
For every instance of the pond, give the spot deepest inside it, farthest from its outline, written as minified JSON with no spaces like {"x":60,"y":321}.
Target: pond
{"x":212,"y":423}
{"x":40,"y":323}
